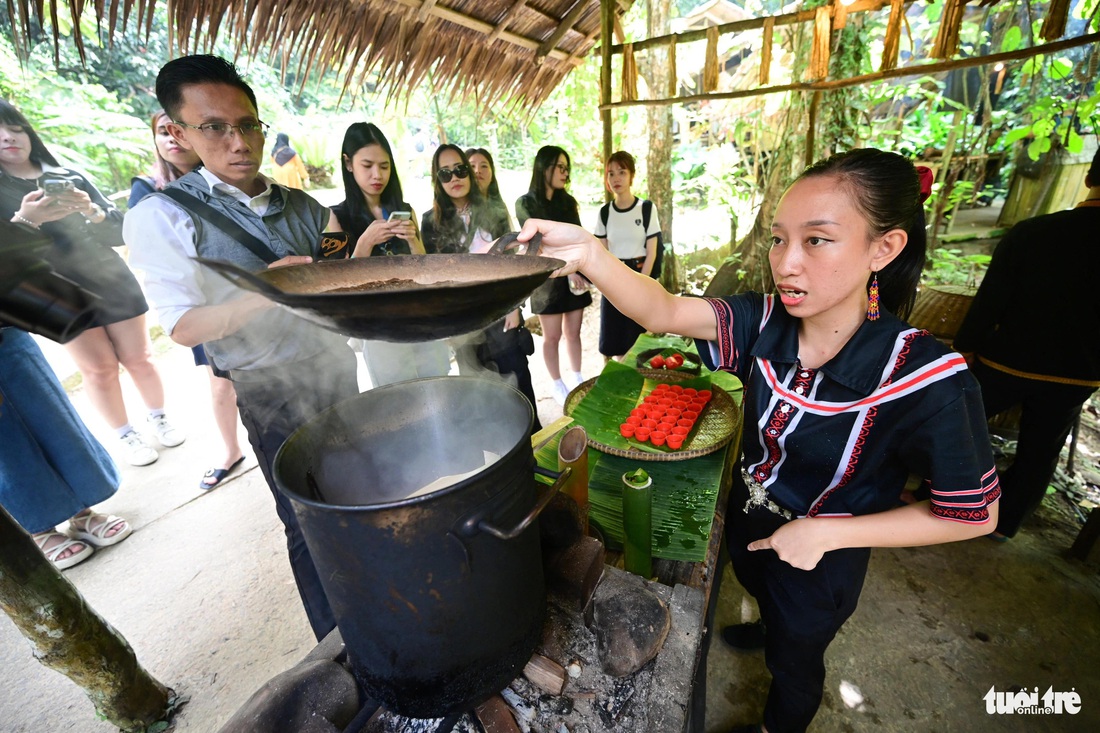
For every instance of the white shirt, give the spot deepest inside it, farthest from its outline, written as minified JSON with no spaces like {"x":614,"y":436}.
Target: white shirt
{"x":624,"y":233}
{"x":161,"y":238}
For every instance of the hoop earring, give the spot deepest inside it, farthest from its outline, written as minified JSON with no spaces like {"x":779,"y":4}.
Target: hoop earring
{"x":872,"y":299}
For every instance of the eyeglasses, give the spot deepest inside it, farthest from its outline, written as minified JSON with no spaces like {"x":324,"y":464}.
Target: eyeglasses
{"x":460,"y":171}
{"x":222,"y":130}
{"x":563,"y":169}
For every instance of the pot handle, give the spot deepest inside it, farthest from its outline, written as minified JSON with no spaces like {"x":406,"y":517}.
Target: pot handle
{"x":547,"y":493}
{"x":508,"y":241}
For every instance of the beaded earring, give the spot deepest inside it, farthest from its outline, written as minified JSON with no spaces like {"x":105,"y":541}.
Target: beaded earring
{"x":872,"y":299}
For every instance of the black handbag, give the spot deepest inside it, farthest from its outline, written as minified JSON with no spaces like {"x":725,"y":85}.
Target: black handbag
{"x":499,"y":344}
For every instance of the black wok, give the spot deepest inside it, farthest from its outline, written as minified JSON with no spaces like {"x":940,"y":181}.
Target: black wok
{"x":439,"y":295}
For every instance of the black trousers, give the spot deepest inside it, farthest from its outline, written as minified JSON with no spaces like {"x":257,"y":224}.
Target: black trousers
{"x":273,"y":404}
{"x":801,"y":609}
{"x":1048,"y":412}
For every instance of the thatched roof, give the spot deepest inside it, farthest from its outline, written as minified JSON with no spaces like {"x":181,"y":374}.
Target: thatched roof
{"x":514,"y":50}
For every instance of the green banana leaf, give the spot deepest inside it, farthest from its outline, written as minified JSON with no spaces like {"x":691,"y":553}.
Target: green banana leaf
{"x":684,"y":496}
{"x":617,"y":391}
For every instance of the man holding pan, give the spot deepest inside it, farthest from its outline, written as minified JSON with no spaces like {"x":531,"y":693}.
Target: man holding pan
{"x":285,"y":370}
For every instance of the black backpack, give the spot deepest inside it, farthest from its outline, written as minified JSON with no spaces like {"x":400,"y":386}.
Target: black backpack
{"x":647,"y":214}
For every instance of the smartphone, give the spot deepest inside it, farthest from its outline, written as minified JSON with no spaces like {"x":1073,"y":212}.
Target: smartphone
{"x":57,"y":186}
{"x":400,"y":216}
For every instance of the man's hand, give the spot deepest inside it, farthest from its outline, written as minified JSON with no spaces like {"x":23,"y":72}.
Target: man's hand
{"x":291,"y":260}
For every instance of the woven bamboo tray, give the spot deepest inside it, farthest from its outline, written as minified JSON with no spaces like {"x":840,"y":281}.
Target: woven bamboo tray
{"x":716,"y":427}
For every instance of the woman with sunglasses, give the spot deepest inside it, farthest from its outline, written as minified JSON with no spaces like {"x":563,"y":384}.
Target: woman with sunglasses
{"x":381,"y":223}
{"x":84,"y":228}
{"x":462,"y":221}
{"x":485,"y":173}
{"x":559,"y":302}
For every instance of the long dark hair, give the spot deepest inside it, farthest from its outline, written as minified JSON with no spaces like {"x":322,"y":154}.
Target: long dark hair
{"x":483,"y":215}
{"x":358,"y":136}
{"x":443,"y":206}
{"x":886,"y":190}
{"x":560,"y":202}
{"x":12,"y":117}
{"x":493,"y":192}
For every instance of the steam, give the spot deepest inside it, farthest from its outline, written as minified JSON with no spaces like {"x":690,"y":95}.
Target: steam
{"x":392,"y":442}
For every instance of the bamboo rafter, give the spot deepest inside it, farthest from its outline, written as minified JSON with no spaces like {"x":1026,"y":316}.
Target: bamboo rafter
{"x":913,"y":70}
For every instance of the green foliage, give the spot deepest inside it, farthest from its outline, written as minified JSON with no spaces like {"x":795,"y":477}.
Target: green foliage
{"x":82,"y":122}
{"x":953,"y":267}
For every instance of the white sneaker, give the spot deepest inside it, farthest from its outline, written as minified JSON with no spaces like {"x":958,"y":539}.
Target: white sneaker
{"x":559,"y":392}
{"x":168,"y":436}
{"x":572,"y":380}
{"x":138,"y":452}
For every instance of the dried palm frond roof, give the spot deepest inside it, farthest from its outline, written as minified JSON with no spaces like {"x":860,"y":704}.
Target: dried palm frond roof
{"x":500,"y":50}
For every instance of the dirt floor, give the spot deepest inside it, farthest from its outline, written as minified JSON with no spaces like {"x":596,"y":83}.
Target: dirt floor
{"x":203,"y":593}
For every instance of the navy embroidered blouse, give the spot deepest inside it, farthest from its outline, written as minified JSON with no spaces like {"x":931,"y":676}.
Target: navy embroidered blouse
{"x":842,"y":439}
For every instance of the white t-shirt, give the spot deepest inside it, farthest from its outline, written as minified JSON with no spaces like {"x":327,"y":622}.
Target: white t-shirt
{"x":624,"y":233}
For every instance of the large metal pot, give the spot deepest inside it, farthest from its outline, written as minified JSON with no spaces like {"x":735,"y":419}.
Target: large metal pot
{"x":440,"y":597}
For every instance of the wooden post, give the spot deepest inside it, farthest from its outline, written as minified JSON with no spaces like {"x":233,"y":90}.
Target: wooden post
{"x":811,"y":129}
{"x":944,"y":175}
{"x":607,"y":18}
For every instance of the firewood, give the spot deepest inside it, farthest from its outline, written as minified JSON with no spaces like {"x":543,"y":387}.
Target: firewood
{"x":496,"y":717}
{"x":572,"y":573}
{"x":546,"y":674}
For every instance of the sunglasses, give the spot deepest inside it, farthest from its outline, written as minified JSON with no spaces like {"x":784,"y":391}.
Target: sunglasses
{"x":459,"y":171}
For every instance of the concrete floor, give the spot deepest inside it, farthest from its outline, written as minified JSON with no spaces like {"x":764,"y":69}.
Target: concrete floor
{"x":203,"y":593}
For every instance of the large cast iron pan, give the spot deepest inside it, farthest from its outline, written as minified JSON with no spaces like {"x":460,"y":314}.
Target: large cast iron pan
{"x":449,"y":295}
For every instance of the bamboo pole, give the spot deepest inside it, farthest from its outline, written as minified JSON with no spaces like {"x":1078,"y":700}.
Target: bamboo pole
{"x":751,"y":23}
{"x":917,"y":70}
{"x":607,"y":19}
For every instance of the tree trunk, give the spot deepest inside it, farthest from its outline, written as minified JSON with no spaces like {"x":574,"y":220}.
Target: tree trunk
{"x":659,"y":124}
{"x":748,"y":268}
{"x":71,"y":638}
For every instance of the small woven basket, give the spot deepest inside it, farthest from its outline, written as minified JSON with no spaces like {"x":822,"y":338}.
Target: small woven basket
{"x":717,"y":426}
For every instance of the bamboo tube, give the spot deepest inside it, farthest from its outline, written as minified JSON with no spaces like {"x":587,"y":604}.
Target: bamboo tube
{"x":573,"y":452}
{"x":630,"y":75}
{"x":766,"y":50}
{"x":638,"y":525}
{"x":947,"y":39}
{"x":710,"y":68}
{"x":892,"y":43}
{"x":673,"y":78}
{"x":840,"y":15}
{"x":819,"y":58}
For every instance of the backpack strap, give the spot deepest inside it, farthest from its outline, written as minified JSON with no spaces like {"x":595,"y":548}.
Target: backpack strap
{"x":605,"y":213}
{"x":212,"y":216}
{"x":647,"y":214}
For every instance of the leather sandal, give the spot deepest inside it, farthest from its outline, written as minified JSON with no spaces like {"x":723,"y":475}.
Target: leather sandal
{"x":52,"y":554}
{"x":93,"y":528}
{"x":215,"y":476}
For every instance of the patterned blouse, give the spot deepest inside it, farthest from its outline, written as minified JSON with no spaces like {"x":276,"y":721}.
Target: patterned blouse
{"x":842,"y":439}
